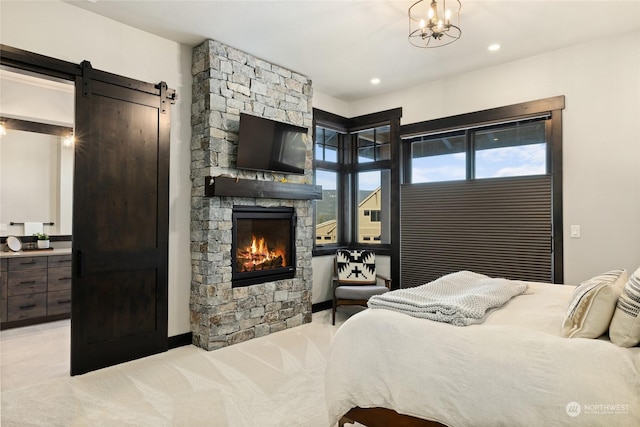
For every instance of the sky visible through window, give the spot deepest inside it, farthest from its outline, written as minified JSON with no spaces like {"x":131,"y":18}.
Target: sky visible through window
{"x":519,"y":160}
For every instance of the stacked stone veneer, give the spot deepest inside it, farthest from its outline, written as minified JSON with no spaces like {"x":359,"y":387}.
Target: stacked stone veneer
{"x":227,"y":82}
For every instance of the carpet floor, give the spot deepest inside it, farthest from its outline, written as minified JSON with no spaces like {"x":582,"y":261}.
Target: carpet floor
{"x":275,"y":380}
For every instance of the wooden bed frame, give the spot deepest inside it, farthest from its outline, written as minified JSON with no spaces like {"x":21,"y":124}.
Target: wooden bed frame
{"x":383,"y":417}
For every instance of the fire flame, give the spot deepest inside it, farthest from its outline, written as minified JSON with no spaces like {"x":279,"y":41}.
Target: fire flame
{"x":258,"y":253}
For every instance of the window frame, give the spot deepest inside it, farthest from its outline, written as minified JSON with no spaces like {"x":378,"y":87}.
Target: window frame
{"x":348,"y":169}
{"x":552,"y":107}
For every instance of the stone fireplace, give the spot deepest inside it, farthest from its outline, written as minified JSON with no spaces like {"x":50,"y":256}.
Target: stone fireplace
{"x":231,"y":301}
{"x":263,"y":248}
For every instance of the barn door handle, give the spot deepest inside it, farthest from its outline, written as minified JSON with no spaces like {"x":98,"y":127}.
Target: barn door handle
{"x":79,"y":263}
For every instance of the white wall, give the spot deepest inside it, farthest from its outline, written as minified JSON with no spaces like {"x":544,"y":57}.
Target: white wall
{"x":601,"y":137}
{"x":66,"y":32}
{"x":330,"y":104}
{"x":36,"y":99}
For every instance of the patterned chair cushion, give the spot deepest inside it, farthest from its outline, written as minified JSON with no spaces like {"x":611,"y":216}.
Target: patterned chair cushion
{"x":356,"y":266}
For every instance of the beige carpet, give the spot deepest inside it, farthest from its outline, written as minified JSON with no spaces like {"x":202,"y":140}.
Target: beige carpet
{"x":277,"y":380}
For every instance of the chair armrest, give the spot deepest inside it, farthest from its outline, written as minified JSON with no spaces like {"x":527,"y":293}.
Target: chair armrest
{"x":387,"y":280}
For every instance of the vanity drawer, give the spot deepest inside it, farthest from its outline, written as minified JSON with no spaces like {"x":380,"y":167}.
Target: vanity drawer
{"x":3,"y":289}
{"x":27,"y":282}
{"x":59,"y":279}
{"x":60,"y":261}
{"x":59,"y":302}
{"x":27,"y":306}
{"x":27,"y":263}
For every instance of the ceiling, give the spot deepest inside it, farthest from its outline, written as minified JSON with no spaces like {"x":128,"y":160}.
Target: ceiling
{"x":342,"y":44}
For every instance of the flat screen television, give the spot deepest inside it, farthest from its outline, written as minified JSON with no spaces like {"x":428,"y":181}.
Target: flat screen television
{"x":268,"y":145}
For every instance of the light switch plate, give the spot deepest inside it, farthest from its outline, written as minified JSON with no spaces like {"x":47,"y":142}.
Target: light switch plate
{"x":575,"y":231}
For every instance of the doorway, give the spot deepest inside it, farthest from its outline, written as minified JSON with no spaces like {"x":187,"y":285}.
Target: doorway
{"x":120,"y":211}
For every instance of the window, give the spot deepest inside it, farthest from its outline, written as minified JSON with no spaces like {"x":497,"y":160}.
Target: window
{"x":438,"y":158}
{"x":373,"y":144}
{"x":502,"y":199}
{"x":373,"y":206}
{"x":352,"y":162}
{"x":327,"y":208}
{"x":513,"y":149}
{"x":326,"y":148}
{"x":373,"y":152}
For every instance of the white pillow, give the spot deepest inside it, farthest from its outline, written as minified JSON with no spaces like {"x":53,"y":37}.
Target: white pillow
{"x":592,"y":305}
{"x":625,"y":325}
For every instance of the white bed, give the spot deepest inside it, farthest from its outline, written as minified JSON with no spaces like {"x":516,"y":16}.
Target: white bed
{"x":514,"y":369}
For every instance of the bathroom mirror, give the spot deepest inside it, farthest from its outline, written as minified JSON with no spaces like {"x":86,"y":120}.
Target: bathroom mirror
{"x":36,"y":154}
{"x":36,"y":182}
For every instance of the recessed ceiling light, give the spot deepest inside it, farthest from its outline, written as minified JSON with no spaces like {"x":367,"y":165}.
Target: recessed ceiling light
{"x":494,"y":47}
{"x":375,"y":81}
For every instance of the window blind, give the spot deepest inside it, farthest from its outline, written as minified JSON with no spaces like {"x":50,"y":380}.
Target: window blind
{"x":499,"y":227}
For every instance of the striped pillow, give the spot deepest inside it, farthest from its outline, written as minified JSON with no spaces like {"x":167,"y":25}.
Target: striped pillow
{"x":592,"y":305}
{"x":625,"y":325}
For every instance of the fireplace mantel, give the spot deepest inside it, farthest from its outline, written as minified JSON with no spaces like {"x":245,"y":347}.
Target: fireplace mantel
{"x":234,"y":187}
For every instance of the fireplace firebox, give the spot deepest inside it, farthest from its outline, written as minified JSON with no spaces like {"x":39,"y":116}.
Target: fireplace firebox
{"x":263,"y":245}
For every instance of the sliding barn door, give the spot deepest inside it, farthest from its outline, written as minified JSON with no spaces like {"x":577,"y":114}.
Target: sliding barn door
{"x":120,"y":221}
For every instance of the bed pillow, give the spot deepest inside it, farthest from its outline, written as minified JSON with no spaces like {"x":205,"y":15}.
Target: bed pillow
{"x":625,"y":325}
{"x":592,"y":305}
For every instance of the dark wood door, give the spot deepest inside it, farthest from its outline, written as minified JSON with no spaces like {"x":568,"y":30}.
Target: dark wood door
{"x":120,"y":221}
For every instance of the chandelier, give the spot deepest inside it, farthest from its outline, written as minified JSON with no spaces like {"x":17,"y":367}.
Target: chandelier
{"x":431,"y":25}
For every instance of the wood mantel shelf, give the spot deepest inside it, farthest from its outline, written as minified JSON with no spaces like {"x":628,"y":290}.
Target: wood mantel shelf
{"x":223,"y":186}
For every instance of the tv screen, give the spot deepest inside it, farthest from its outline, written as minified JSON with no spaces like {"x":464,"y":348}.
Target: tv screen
{"x":268,"y":145}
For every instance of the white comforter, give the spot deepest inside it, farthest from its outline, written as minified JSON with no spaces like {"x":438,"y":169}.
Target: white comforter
{"x":515,"y":369}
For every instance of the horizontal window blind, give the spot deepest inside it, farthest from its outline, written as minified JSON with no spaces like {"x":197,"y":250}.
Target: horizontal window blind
{"x":499,"y":227}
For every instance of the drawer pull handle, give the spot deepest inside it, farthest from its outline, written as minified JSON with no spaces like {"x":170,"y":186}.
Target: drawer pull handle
{"x":28,"y":282}
{"x":27,"y":263}
{"x":65,"y":301}
{"x":64,"y":278}
{"x":24,"y":307}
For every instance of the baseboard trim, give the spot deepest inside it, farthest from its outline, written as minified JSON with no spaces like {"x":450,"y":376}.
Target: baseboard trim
{"x":180,"y":340}
{"x":321,"y":306}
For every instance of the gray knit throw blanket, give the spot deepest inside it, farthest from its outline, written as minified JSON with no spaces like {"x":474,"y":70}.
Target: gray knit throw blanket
{"x":460,"y":298}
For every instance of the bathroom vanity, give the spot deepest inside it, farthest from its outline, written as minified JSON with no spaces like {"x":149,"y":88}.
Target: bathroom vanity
{"x":36,"y":287}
